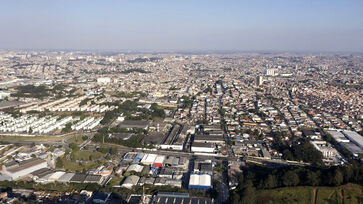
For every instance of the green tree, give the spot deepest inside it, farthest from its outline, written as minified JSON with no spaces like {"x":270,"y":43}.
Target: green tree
{"x":249,"y":193}
{"x":59,"y":163}
{"x":74,"y":147}
{"x":287,"y":155}
{"x":312,"y":178}
{"x":290,"y":178}
{"x":271,"y":181}
{"x":338,"y":178}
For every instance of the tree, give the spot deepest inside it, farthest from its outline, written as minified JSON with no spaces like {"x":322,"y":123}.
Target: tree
{"x":338,"y":178}
{"x":59,"y":163}
{"x":287,"y":155}
{"x":271,"y":181}
{"x":312,"y":178}
{"x":249,"y":193}
{"x":348,"y":173}
{"x":290,"y":178}
{"x":74,"y":147}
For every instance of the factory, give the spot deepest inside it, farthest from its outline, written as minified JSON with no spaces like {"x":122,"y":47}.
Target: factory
{"x":350,"y":140}
{"x":177,"y":138}
{"x":200,"y":181}
{"x":203,"y":147}
{"x":354,"y":137}
{"x":173,"y":197}
{"x":16,"y":170}
{"x":161,"y":170}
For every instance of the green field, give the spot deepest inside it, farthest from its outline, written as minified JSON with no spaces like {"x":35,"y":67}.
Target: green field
{"x":32,"y":138}
{"x":85,"y":155}
{"x":77,"y":167}
{"x":76,"y":139}
{"x":82,"y":161}
{"x":350,"y":193}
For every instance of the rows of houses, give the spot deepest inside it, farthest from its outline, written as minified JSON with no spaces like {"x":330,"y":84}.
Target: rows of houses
{"x":44,"y":125}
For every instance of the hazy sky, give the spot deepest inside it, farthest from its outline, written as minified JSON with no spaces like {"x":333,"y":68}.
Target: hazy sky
{"x":246,"y":25}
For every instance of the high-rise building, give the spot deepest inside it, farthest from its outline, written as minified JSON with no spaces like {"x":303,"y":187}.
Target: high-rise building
{"x":270,"y":72}
{"x":259,"y":80}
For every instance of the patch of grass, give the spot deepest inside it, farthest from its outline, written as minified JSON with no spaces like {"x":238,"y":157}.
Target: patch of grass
{"x":76,"y":139}
{"x":115,"y":181}
{"x":32,"y":139}
{"x":349,"y":193}
{"x":85,"y":155}
{"x":286,"y":195}
{"x":328,"y":195}
{"x":352,"y":194}
{"x":79,"y":167}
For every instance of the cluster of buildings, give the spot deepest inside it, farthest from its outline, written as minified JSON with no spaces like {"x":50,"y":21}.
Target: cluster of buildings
{"x":350,"y":140}
{"x":220,"y":105}
{"x":69,"y":105}
{"x":37,"y":164}
{"x":152,"y":169}
{"x":28,"y":124}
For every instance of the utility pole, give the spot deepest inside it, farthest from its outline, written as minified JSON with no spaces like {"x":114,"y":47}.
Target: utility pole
{"x":143,"y":194}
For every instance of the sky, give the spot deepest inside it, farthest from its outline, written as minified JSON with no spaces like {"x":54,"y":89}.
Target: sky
{"x":170,"y":25}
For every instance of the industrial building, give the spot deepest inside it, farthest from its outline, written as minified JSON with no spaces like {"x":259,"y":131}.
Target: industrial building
{"x":21,"y":169}
{"x":338,"y":136}
{"x":148,"y":159}
{"x":200,"y":181}
{"x":203,"y":147}
{"x":131,"y":124}
{"x":354,"y":137}
{"x":130,"y":181}
{"x":135,"y":168}
{"x":159,"y":161}
{"x":173,"y":197}
{"x":350,"y":140}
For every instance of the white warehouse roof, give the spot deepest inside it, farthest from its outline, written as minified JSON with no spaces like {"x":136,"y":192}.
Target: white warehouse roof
{"x":135,"y":167}
{"x":354,"y":137}
{"x":148,"y":158}
{"x":200,"y":180}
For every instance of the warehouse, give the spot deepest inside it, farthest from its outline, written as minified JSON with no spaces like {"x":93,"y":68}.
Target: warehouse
{"x":159,"y":161}
{"x":24,"y":168}
{"x":354,"y":137}
{"x":148,"y":159}
{"x":130,"y":156}
{"x":200,"y":181}
{"x":173,"y":183}
{"x":55,"y":176}
{"x":172,"y":161}
{"x":66,"y":177}
{"x":40,"y":173}
{"x":338,"y":136}
{"x":203,"y":147}
{"x":138,"y":158}
{"x":164,"y":198}
{"x":134,"y":167}
{"x":131,"y":124}
{"x":130,"y":181}
{"x":93,"y":179}
{"x":78,"y":178}
{"x":209,"y":139}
